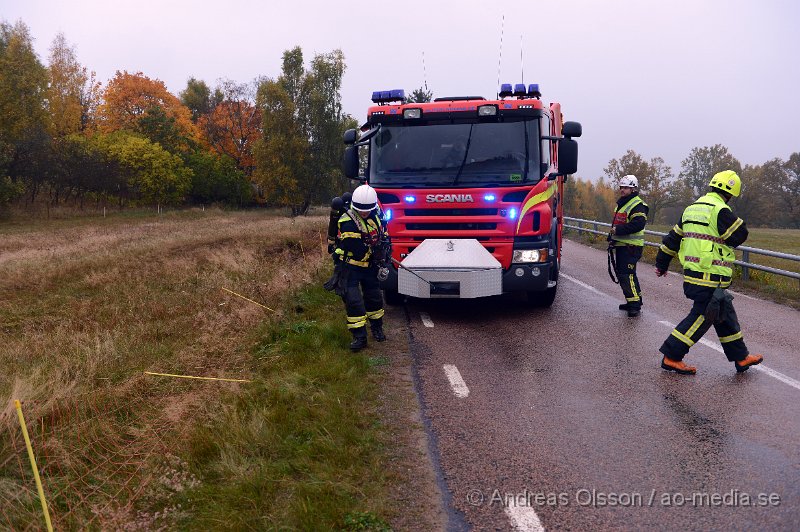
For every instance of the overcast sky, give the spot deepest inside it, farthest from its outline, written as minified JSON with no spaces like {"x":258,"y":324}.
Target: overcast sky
{"x":658,"y":77}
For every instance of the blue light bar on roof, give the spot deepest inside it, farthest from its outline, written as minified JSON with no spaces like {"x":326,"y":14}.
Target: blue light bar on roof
{"x":394,"y":95}
{"x":519,"y":89}
{"x":505,"y":90}
{"x":533,"y":90}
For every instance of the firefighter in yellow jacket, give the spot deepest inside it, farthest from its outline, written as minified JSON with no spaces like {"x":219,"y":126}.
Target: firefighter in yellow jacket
{"x":627,"y":241}
{"x":360,"y":238}
{"x":703,"y":240}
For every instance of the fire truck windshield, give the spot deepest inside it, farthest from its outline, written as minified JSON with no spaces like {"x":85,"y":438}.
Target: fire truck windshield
{"x":441,"y":155}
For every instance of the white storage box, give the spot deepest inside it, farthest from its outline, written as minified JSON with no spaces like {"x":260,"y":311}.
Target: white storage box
{"x":456,"y":268}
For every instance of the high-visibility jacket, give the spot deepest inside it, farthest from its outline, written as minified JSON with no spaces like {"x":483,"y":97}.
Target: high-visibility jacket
{"x":357,"y":237}
{"x":703,"y":249}
{"x":623,"y":215}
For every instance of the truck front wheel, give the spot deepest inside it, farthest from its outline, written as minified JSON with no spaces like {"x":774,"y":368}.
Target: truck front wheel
{"x":543,"y":299}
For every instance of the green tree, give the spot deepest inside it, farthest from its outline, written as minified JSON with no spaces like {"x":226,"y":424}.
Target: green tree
{"x":217,"y":179}
{"x":700,"y":166}
{"x":23,"y":117}
{"x":154,"y":174}
{"x":419,"y":95}
{"x":282,"y":150}
{"x":198,"y":98}
{"x":161,"y":128}
{"x":299,"y":154}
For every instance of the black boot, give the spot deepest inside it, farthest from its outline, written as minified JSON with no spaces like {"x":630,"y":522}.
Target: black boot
{"x":624,"y":306}
{"x":377,"y":330}
{"x":359,"y":339}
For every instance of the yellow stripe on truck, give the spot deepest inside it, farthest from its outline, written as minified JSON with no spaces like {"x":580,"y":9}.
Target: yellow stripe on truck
{"x":538,"y":198}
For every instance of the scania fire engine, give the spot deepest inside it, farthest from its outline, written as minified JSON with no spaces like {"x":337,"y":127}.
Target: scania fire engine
{"x":472,"y":190}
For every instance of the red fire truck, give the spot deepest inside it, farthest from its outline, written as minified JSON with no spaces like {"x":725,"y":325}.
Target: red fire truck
{"x":472,"y":190}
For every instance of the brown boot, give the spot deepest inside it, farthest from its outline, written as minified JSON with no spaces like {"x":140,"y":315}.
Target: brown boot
{"x":677,"y":366}
{"x":749,"y":360}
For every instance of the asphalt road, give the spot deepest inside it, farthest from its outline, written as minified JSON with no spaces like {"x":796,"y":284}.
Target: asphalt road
{"x":562,"y":418}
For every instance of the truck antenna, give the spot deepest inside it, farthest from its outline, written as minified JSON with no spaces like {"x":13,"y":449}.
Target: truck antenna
{"x":424,"y":72}
{"x":521,"y":61}
{"x":500,"y":58}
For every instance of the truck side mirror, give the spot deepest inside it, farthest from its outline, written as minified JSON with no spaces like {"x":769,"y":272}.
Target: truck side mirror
{"x":567,"y":156}
{"x":350,"y":163}
{"x":571,"y":129}
{"x":350,"y":137}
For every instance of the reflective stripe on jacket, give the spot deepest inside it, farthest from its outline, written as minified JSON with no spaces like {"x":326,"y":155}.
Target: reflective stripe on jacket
{"x":702,"y":247}
{"x":622,"y":215}
{"x":357,"y":237}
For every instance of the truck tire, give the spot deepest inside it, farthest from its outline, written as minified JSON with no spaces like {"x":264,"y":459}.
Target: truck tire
{"x":545,"y":299}
{"x":393,"y":297}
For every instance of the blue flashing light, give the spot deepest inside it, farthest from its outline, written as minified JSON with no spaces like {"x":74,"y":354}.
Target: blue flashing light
{"x":376,"y":96}
{"x":388,"y":214}
{"x":489,"y":197}
{"x":533,"y":90}
{"x":519,"y":89}
{"x":505,"y":90}
{"x":512,"y":213}
{"x":398,"y":94}
{"x":386,"y":95}
{"x":410,"y":199}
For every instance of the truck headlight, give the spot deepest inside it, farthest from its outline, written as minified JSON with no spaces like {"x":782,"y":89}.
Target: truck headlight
{"x":529,"y":255}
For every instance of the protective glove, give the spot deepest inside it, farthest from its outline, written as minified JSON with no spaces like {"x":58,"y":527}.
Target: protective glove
{"x":719,"y":306}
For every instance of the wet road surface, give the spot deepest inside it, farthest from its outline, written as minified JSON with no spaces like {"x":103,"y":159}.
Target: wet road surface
{"x":561,"y":418}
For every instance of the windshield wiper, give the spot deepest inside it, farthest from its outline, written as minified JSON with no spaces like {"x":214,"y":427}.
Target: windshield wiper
{"x":464,"y":160}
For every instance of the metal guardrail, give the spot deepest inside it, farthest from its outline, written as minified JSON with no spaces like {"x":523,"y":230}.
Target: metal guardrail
{"x":746,"y":250}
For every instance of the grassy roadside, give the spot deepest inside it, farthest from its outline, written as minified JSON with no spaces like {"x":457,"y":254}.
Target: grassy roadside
{"x":777,"y":288}
{"x":87,"y":308}
{"x":301,"y":447}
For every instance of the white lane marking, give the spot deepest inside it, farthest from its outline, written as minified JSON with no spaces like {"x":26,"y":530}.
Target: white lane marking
{"x":761,"y":367}
{"x":524,"y":518}
{"x":426,"y":319}
{"x":586,"y":286}
{"x":456,"y":382}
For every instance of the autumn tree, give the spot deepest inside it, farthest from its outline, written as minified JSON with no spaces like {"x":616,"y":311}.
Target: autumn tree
{"x":655,"y":179}
{"x":234,"y":125}
{"x":129,"y":98}
{"x":65,"y":94}
{"x":309,"y":101}
{"x":588,"y":200}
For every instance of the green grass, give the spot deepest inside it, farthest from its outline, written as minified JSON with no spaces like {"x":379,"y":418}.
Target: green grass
{"x":299,"y":448}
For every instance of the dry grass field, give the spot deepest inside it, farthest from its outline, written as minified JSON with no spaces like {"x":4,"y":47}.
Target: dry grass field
{"x":87,"y":307}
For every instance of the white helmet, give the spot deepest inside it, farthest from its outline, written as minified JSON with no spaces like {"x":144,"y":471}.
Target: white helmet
{"x":629,"y":181}
{"x":365,"y":199}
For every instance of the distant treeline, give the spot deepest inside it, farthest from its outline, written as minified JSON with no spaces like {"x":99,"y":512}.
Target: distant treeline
{"x":770,"y":191}
{"x":66,"y":138}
